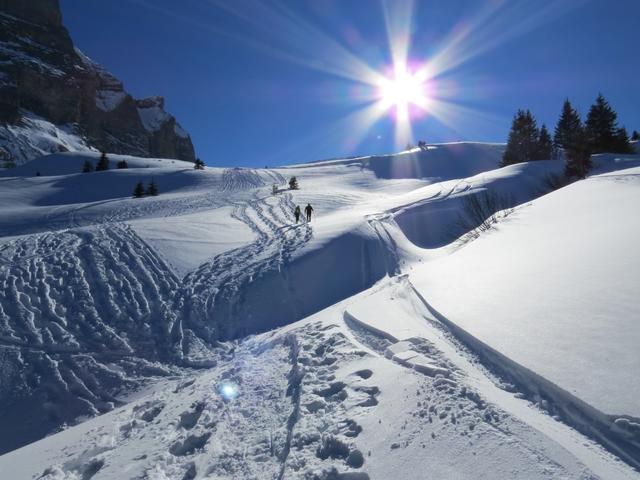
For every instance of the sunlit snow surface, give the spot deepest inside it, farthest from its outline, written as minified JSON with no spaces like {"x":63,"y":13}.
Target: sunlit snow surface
{"x":379,"y":338}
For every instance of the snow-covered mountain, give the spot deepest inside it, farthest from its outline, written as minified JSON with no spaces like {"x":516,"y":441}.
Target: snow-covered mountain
{"x":53,"y":98}
{"x":220,"y":339}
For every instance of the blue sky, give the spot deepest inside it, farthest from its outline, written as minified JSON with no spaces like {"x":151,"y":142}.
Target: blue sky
{"x":271,"y":83}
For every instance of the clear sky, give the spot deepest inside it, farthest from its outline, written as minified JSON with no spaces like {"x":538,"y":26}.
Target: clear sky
{"x":274,"y":82}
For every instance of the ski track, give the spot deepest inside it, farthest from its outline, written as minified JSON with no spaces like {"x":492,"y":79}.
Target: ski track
{"x":213,"y":293}
{"x":91,"y":309}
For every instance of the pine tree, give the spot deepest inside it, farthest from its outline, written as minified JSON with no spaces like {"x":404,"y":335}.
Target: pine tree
{"x":578,"y":156}
{"x":545,"y":145}
{"x":103,"y":163}
{"x":122,"y":164}
{"x":622,"y":141}
{"x":87,"y":167}
{"x":139,"y":190}
{"x":198,"y":164}
{"x":293,"y":183}
{"x":522,"y":145}
{"x":602,"y":129}
{"x":568,"y":128}
{"x":635,"y":136}
{"x":152,"y":189}
{"x":274,"y":189}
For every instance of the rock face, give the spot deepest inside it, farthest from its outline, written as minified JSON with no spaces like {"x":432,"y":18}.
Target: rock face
{"x":54,"y":98}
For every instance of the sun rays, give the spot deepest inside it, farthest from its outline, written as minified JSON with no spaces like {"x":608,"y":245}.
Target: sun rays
{"x":405,"y":88}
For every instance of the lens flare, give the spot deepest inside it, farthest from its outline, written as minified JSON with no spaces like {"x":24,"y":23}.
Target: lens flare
{"x":228,"y":390}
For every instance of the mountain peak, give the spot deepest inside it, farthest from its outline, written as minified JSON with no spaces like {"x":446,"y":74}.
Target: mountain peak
{"x":46,"y":83}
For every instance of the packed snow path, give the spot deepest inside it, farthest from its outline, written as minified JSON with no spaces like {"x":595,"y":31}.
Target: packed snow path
{"x":212,"y":295}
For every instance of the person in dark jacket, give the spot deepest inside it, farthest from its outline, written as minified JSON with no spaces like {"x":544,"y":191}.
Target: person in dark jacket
{"x":308,"y":209}
{"x":297,"y":213}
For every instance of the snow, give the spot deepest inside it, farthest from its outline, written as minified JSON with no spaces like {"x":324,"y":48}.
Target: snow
{"x":320,"y":397}
{"x":108,"y":100}
{"x":192,"y":239}
{"x":14,"y":51}
{"x":369,"y":343}
{"x":153,"y":117}
{"x":34,"y":136}
{"x":522,"y":296}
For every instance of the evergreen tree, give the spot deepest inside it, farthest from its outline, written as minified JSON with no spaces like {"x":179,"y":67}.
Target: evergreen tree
{"x":602,"y":129}
{"x":293,"y":183}
{"x":198,"y":164}
{"x":152,"y":189}
{"x":103,"y":163}
{"x":274,"y":189}
{"x":87,"y":167}
{"x":545,"y":145}
{"x":622,"y":142}
{"x":139,"y":190}
{"x":568,"y":128}
{"x":122,"y":164}
{"x":635,"y":135}
{"x":522,"y":145}
{"x":578,"y":156}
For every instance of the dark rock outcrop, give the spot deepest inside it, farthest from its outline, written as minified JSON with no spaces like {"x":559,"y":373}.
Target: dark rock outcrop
{"x":54,"y":98}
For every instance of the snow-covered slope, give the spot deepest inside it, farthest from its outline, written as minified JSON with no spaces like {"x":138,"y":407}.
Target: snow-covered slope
{"x":383,"y":355}
{"x":35,"y":136}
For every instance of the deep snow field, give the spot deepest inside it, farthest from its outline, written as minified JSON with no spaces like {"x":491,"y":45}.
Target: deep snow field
{"x":202,"y":334}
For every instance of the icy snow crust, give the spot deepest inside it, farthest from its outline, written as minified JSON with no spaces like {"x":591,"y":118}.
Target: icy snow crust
{"x":423,"y":356}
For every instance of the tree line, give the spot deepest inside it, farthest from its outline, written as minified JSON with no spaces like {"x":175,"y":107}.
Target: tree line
{"x":574,"y":140}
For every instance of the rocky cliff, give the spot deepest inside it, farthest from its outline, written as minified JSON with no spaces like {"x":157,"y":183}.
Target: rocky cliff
{"x":54,"y":98}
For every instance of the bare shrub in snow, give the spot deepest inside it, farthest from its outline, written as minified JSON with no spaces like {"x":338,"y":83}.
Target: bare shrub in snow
{"x":480,"y":212}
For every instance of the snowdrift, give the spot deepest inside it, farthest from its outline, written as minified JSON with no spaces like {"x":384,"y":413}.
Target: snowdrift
{"x":439,"y":162}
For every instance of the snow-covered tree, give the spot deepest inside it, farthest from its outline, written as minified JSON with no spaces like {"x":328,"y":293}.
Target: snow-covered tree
{"x":122,"y":164}
{"x":274,"y":189}
{"x":87,"y":166}
{"x":103,"y":163}
{"x":293,"y":183}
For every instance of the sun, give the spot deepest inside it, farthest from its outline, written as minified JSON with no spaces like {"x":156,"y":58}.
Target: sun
{"x":404,"y":89}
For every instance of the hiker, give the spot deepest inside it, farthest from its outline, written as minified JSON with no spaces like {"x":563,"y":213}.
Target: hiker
{"x":297,"y":213}
{"x":308,"y":209}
